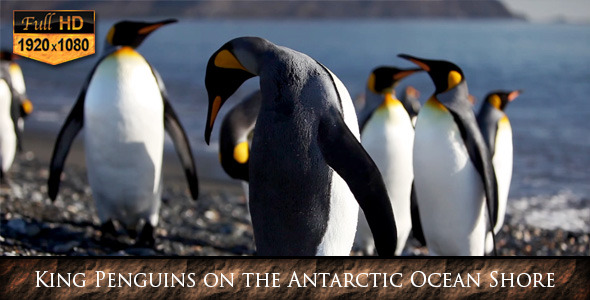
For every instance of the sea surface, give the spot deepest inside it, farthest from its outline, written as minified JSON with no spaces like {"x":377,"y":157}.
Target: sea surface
{"x":550,"y":62}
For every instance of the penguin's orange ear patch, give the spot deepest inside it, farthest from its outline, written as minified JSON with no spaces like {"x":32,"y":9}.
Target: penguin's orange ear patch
{"x":27,"y":106}
{"x":241,"y":152}
{"x":225,"y":59}
{"x":495,"y":101}
{"x":371,"y":83}
{"x":454,"y":79}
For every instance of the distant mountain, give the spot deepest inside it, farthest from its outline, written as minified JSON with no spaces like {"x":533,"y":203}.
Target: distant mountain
{"x":454,"y":9}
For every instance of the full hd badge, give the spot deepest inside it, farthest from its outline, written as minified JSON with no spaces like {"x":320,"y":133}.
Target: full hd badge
{"x":53,"y":37}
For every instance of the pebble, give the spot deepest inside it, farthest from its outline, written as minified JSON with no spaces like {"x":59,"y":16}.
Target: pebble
{"x":65,"y":248}
{"x":17,"y":226}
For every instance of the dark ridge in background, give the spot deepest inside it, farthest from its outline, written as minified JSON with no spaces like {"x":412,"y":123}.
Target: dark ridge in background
{"x":246,"y":9}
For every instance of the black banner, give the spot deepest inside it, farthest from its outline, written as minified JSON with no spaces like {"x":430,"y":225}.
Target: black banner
{"x":47,"y":21}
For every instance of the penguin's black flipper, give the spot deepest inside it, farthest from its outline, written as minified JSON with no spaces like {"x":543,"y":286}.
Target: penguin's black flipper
{"x":487,"y":120}
{"x":176,"y":131}
{"x":183,"y":148}
{"x":73,"y":124}
{"x":345,"y":154}
{"x":67,"y":134}
{"x":415,"y":213}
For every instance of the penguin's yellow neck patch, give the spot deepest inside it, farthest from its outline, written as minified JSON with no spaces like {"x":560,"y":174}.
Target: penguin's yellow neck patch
{"x":454,"y":79}
{"x":504,"y":121}
{"x":435,"y":104}
{"x":495,"y":101}
{"x":389,"y":101}
{"x":225,"y":59}
{"x":14,"y":67}
{"x":127,"y":51}
{"x":241,"y":152}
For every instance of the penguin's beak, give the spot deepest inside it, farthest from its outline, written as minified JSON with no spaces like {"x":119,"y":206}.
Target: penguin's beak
{"x":513,"y":95}
{"x":405,"y":73}
{"x":150,"y":27}
{"x":418,"y":61}
{"x":214,"y":106}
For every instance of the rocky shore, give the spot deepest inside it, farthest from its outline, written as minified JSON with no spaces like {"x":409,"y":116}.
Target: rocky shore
{"x":216,"y":224}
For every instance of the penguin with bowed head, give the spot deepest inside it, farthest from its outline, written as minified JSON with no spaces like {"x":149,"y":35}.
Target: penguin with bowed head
{"x":307,"y":166}
{"x":453,"y":172}
{"x":125,"y":110}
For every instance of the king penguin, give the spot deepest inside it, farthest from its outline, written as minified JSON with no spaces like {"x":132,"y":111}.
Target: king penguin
{"x":453,"y":169}
{"x":387,"y":133}
{"x":497,"y":132}
{"x":8,"y":135}
{"x":14,"y":107}
{"x":307,"y":165}
{"x":124,"y":109}
{"x":16,"y":82}
{"x":236,"y":128}
{"x":235,"y":138}
{"x":410,"y":99}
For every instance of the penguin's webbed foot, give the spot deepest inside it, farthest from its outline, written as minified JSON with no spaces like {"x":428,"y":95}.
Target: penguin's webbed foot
{"x":109,"y":235}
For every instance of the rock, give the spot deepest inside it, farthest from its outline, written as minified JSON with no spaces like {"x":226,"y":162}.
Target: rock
{"x":33,"y":230}
{"x":140,"y":251}
{"x":17,"y":225}
{"x":65,"y":248}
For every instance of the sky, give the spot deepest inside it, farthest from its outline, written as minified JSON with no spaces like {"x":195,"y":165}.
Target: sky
{"x":550,"y":10}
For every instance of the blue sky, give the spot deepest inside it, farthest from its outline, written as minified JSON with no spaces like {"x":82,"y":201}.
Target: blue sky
{"x":550,"y":10}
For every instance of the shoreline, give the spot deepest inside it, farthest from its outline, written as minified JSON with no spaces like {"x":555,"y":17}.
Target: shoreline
{"x":218,"y":223}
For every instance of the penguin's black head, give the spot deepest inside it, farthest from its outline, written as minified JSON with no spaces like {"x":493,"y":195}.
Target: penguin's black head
{"x":7,"y":55}
{"x":129,"y":33}
{"x":225,"y":74}
{"x":445,"y":75}
{"x":385,"y":79}
{"x":499,"y":99}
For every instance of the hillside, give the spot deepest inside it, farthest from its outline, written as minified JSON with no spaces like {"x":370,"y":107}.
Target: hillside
{"x":454,"y":9}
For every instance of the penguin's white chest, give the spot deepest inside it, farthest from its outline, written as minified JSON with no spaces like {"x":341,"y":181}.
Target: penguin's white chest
{"x":7,"y":130}
{"x":448,"y":187}
{"x":342,"y":219}
{"x":124,"y":137}
{"x":502,"y":161}
{"x":388,"y":137}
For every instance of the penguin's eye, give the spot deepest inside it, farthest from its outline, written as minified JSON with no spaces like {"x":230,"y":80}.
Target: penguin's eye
{"x":454,"y":79}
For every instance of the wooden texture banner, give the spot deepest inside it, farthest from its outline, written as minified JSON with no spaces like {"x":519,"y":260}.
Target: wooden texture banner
{"x":320,"y":278}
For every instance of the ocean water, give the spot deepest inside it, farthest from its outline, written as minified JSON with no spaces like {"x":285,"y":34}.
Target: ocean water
{"x":550,"y":62}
